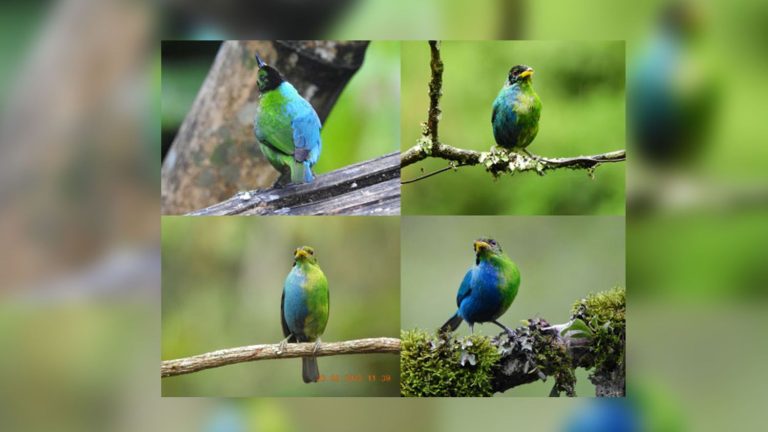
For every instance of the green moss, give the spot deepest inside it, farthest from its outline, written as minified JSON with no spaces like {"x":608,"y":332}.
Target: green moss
{"x":440,"y":365}
{"x":604,"y":313}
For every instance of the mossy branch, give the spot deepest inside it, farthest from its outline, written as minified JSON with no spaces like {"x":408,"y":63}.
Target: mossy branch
{"x":497,"y":161}
{"x":250,"y":353}
{"x":593,"y":338}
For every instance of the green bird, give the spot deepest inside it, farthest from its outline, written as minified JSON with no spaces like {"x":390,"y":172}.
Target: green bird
{"x":287,"y":127}
{"x":304,"y":306}
{"x":516,"y":111}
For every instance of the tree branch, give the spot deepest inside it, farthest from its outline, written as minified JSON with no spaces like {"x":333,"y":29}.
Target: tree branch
{"x":497,"y":161}
{"x":366,"y":188}
{"x":594,"y":338}
{"x":250,"y":353}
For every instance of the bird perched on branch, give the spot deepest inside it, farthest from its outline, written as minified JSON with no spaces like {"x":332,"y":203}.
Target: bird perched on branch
{"x":488,"y":288}
{"x":287,"y":127}
{"x":304,"y":306}
{"x":516,"y":111}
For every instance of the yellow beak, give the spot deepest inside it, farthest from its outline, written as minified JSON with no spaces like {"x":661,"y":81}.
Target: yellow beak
{"x":300,"y":253}
{"x":481,"y":245}
{"x":526,"y":73}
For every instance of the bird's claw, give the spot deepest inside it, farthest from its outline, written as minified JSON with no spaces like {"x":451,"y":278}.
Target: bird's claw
{"x":282,"y":344}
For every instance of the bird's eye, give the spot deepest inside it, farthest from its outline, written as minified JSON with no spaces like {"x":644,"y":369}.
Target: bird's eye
{"x":311,"y":252}
{"x":493,"y":242}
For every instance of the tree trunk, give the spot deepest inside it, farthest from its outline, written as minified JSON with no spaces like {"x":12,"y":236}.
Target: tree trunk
{"x":215,"y":153}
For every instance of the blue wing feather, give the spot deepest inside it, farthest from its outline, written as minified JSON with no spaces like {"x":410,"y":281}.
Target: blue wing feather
{"x":465,"y":289}
{"x":305,"y":126}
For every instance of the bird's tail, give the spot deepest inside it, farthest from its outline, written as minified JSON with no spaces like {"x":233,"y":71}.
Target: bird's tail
{"x":309,"y":371}
{"x":452,"y":324}
{"x":302,"y":173}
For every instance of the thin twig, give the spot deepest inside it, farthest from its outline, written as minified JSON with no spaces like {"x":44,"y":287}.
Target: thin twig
{"x":250,"y":353}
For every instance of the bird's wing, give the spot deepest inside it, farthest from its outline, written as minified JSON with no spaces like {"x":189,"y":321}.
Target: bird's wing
{"x":465,"y":289}
{"x":495,"y":110}
{"x":306,"y":132}
{"x":286,"y":330}
{"x":273,"y":129}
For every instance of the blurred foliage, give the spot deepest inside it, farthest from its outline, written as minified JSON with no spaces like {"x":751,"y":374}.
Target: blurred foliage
{"x":561,"y":259}
{"x":671,"y":256}
{"x":19,"y":22}
{"x":581,"y":86}
{"x":364,"y":123}
{"x":222,"y":283}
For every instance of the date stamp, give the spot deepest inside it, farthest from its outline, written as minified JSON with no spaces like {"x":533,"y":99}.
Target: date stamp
{"x":349,"y":378}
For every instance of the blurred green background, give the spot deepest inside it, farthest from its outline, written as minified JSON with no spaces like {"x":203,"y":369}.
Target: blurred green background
{"x":82,"y":350}
{"x":222,"y":283}
{"x":581,"y":86}
{"x":364,"y":123}
{"x":561,"y":260}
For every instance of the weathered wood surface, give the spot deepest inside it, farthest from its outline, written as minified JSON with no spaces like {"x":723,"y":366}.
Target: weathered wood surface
{"x":215,"y":153}
{"x":368,"y":188}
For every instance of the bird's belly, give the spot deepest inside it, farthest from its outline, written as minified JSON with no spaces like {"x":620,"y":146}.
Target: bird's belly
{"x":485,"y":302}
{"x":295,"y":309}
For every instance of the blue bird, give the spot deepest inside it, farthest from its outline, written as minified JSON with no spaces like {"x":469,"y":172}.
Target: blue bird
{"x":516,"y":111}
{"x":671,"y":97}
{"x":287,"y":127}
{"x":488,"y":288}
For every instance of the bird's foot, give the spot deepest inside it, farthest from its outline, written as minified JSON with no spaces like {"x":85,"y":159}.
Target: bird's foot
{"x":531,"y":155}
{"x":317,"y":345}
{"x":508,"y":330}
{"x":282,"y":344}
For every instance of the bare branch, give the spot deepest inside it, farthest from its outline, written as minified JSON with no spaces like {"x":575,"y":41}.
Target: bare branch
{"x":250,"y":353}
{"x":497,"y":161}
{"x":435,"y":91}
{"x":366,"y":188}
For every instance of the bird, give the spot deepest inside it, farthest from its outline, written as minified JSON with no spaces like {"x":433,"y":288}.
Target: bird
{"x":286,"y":126}
{"x":488,"y":288}
{"x":516,"y":111}
{"x":304,"y":307}
{"x":671,"y":95}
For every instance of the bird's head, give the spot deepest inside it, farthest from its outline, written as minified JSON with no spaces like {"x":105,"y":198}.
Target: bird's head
{"x":304,"y":254}
{"x":486,"y":247}
{"x":520,"y":74}
{"x":269,"y":78}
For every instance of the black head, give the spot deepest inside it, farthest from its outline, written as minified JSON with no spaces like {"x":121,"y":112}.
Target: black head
{"x":269,"y":78}
{"x":486,"y":246}
{"x":520,"y":73}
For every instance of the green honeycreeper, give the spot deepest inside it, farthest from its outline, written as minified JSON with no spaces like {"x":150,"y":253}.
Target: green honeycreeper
{"x":488,"y":288}
{"x":516,"y":111}
{"x":304,"y":306}
{"x":287,"y":127}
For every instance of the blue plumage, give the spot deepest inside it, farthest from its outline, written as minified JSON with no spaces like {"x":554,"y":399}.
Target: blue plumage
{"x":479,"y":298}
{"x":287,"y":127}
{"x":488,"y":288}
{"x":295,"y":309}
{"x":516,"y":111}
